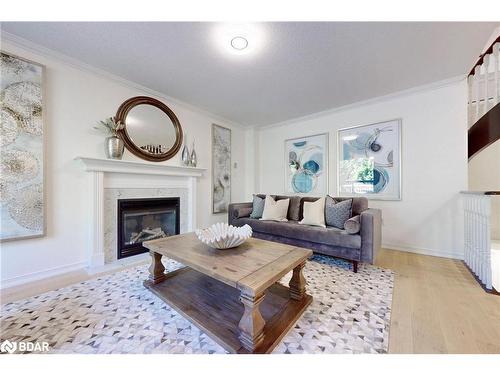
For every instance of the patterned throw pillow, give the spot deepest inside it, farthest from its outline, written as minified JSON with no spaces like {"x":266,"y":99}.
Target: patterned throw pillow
{"x":337,"y":212}
{"x":258,"y":207}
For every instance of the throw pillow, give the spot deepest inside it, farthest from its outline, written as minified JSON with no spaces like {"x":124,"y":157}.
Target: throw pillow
{"x":257,"y":207}
{"x":337,"y":212}
{"x":352,"y":226}
{"x":275,"y":210}
{"x":314,"y":213}
{"x":243,"y":212}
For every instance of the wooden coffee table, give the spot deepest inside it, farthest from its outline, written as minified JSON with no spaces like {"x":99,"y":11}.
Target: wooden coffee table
{"x":232,"y":295}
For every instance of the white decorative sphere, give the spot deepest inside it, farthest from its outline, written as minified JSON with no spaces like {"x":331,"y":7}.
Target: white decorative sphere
{"x":224,"y":236}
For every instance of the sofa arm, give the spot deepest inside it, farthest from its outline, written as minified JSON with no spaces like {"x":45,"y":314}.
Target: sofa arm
{"x":237,"y":210}
{"x":371,"y":234}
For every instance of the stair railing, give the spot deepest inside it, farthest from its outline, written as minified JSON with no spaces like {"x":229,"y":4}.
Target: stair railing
{"x":483,"y":82}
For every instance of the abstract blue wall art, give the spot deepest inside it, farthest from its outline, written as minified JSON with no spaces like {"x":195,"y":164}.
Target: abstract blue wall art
{"x":306,"y":165}
{"x":369,"y":161}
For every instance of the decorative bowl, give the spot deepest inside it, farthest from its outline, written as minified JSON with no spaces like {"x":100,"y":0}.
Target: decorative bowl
{"x":224,"y":236}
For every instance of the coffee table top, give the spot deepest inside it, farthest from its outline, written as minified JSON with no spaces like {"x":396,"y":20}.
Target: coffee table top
{"x":251,"y":267}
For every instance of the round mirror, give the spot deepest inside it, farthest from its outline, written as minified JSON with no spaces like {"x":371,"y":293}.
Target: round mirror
{"x":152,"y":131}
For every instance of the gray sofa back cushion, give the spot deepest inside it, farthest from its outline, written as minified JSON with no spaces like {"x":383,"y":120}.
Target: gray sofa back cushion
{"x":293,"y":206}
{"x":293,"y":212}
{"x":359,"y":204}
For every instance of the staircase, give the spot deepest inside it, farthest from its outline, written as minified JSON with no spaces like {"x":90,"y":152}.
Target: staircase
{"x":481,"y":254}
{"x":484,"y":100}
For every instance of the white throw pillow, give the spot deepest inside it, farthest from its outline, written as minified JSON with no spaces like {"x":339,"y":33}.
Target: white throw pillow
{"x":314,"y":213}
{"x":275,"y":210}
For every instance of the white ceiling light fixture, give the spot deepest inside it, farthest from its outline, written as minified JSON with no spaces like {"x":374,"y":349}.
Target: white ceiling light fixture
{"x":239,"y":43}
{"x":239,"y":39}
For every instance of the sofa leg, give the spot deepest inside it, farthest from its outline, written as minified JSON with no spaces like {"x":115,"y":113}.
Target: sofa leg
{"x":355,"y":266}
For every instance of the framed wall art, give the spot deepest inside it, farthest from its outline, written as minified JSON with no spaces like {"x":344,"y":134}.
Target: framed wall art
{"x":22,"y":203}
{"x":306,"y":165}
{"x":369,"y":161}
{"x":221,"y":168}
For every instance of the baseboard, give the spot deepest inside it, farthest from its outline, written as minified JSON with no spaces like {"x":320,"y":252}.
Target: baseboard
{"x":35,"y":276}
{"x":423,"y":251}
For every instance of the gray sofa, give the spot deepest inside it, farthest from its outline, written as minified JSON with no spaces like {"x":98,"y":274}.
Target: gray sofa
{"x":360,"y":247}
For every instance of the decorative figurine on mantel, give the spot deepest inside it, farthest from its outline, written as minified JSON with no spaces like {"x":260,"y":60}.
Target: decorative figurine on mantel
{"x":113,"y":145}
{"x":193,"y":160}
{"x":188,"y":159}
{"x":185,"y":156}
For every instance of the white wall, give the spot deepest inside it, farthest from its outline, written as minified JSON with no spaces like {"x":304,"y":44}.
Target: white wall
{"x":75,"y":99}
{"x":434,"y":163}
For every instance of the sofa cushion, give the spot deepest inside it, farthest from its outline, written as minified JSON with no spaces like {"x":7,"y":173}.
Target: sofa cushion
{"x":293,"y":206}
{"x":353,"y":225}
{"x":301,"y":206}
{"x":314,"y":213}
{"x":359,"y":204}
{"x":276,"y":210}
{"x":257,"y":207}
{"x":292,"y":229}
{"x":337,"y":212}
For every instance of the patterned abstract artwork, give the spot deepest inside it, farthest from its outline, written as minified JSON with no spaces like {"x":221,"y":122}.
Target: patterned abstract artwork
{"x":306,"y":165}
{"x":369,"y":161}
{"x":350,"y":313}
{"x":21,"y":139}
{"x":221,"y":168}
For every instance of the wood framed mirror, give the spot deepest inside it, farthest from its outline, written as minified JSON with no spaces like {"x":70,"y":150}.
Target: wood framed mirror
{"x":152,"y":130}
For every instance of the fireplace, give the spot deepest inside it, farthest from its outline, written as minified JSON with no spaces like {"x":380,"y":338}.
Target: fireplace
{"x":145,"y":219}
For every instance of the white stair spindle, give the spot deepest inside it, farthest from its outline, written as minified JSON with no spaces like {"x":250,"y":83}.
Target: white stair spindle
{"x":477,"y":80}
{"x":486,"y":65}
{"x":477,"y":240}
{"x":496,"y":63}
{"x":470,"y":107}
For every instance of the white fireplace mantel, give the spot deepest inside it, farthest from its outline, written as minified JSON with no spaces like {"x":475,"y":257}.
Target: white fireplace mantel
{"x":110,"y":173}
{"x":137,"y":167}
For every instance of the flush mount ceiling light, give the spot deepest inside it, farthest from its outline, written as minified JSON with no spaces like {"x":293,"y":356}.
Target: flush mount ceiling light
{"x":239,"y":43}
{"x":239,"y":39}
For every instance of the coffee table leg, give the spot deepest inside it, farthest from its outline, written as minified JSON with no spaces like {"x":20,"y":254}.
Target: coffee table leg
{"x":156,"y":269}
{"x":251,"y":324}
{"x":297,"y":283}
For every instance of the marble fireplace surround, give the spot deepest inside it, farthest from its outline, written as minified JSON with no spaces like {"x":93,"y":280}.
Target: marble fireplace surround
{"x":110,"y":180}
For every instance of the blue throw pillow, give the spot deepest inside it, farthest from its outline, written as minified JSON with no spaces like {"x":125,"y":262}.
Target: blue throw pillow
{"x":258,"y":207}
{"x":337,"y":212}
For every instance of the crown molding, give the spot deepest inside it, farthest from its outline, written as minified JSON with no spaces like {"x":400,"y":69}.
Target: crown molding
{"x":371,"y":101}
{"x":32,"y":47}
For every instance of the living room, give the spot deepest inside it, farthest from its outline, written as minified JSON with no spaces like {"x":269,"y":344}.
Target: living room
{"x":250,"y":187}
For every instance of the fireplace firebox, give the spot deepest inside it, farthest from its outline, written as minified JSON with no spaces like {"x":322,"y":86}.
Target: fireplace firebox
{"x":142,"y":220}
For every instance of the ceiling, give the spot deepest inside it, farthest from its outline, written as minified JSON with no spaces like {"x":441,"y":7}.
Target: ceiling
{"x":298,"y":69}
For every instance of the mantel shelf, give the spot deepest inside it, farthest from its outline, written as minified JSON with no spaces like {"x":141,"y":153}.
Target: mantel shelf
{"x":136,"y":167}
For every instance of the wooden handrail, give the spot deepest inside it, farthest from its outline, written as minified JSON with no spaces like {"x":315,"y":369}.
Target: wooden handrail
{"x":484,"y":132}
{"x":481,"y":57}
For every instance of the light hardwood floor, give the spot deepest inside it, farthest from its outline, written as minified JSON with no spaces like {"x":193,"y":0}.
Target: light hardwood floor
{"x":437,"y":305}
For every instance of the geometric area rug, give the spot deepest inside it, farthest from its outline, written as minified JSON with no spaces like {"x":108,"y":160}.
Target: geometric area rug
{"x":350,"y":313}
